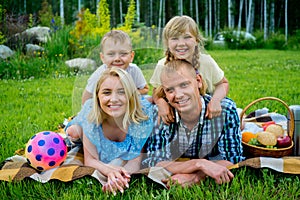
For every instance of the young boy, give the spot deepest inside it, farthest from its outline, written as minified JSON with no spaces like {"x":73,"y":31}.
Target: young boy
{"x":116,"y":51}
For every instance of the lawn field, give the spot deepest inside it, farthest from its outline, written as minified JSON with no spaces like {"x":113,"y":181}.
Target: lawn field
{"x":33,"y":105}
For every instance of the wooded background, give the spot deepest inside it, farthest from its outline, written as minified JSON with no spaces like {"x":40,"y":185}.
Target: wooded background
{"x":268,"y":16}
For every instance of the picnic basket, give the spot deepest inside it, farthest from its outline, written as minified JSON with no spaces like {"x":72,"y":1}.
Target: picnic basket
{"x":256,"y":151}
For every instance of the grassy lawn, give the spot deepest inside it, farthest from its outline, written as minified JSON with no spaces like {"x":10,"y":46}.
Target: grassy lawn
{"x":34,"y":105}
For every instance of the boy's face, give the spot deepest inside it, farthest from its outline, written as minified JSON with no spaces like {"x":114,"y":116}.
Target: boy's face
{"x":116,"y":54}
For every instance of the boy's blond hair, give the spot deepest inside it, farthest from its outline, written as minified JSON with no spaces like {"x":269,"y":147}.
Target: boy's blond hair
{"x":116,"y":36}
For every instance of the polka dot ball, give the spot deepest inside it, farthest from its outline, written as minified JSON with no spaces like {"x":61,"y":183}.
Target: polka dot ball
{"x":46,"y":150}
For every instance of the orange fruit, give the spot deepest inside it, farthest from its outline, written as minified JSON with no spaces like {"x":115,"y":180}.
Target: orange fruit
{"x":247,"y":136}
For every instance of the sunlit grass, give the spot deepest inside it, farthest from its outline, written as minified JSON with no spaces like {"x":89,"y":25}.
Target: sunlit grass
{"x":34,"y":105}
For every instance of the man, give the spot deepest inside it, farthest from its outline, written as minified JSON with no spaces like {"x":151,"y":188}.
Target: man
{"x":208,"y":146}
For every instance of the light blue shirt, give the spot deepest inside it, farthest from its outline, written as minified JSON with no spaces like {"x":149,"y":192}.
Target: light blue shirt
{"x":109,"y":150}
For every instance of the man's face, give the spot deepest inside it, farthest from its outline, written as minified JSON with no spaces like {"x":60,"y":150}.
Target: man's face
{"x":116,"y":54}
{"x":182,"y":90}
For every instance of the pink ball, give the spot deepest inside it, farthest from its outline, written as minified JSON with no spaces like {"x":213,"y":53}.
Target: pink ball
{"x":46,"y":150}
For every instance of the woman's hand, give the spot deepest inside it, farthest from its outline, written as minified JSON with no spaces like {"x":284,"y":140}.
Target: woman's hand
{"x":117,"y":180}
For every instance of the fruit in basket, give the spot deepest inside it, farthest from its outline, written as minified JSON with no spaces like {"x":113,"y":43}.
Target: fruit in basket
{"x":284,"y":141}
{"x":266,"y":138}
{"x":266,"y":124}
{"x":276,"y":129}
{"x":247,"y":136}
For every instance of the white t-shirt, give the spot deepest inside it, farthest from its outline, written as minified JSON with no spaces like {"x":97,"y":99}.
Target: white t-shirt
{"x":209,"y":70}
{"x":135,"y":72}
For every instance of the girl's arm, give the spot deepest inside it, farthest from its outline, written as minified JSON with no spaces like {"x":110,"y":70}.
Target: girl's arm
{"x":214,"y":108}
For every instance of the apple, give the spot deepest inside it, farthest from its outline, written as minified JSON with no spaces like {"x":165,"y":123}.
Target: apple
{"x":284,"y":141}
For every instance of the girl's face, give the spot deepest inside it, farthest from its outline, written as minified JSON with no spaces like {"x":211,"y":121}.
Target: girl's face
{"x":183,"y":46}
{"x":112,"y":98}
{"x":116,"y":54}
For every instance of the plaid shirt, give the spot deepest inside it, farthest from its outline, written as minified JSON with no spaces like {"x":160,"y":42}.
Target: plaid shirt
{"x":215,"y":139}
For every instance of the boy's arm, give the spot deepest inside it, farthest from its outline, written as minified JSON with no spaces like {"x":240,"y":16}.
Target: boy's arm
{"x":85,"y":96}
{"x":144,"y":90}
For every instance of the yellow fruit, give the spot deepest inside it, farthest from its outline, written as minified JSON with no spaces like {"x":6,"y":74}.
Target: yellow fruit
{"x":266,"y":138}
{"x":247,"y":136}
{"x":276,"y":129}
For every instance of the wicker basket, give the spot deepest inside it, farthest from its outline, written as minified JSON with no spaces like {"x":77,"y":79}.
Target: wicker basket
{"x":255,"y":151}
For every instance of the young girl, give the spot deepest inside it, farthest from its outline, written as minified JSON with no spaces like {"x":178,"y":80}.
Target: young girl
{"x":114,"y":128}
{"x":183,"y":40}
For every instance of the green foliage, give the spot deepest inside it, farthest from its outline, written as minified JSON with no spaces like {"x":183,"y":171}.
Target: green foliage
{"x":46,"y":15}
{"x":103,"y":17}
{"x":276,"y":41}
{"x":2,"y":36}
{"x":294,"y":41}
{"x":130,"y":16}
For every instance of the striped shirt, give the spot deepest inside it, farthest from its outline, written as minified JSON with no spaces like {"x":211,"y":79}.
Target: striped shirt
{"x":218,"y":138}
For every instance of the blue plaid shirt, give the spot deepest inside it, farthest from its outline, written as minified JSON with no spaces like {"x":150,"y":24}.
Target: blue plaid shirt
{"x":214,"y":139}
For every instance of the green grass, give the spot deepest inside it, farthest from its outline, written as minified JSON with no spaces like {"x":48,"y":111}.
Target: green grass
{"x":34,"y":105}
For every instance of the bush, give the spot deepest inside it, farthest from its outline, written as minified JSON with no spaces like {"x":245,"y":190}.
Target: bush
{"x":276,"y":41}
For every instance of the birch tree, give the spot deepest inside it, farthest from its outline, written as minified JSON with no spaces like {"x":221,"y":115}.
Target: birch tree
{"x":196,"y":11}
{"x":210,"y":17}
{"x":240,"y":15}
{"x":121,"y":12}
{"x":249,"y":16}
{"x":229,"y":13}
{"x":180,"y":9}
{"x":138,"y":11}
{"x":62,"y":17}
{"x":159,"y":22}
{"x":265,"y":20}
{"x":272,"y":17}
{"x":286,"y":20}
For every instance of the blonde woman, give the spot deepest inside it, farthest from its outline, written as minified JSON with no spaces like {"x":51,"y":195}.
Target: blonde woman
{"x":114,"y":128}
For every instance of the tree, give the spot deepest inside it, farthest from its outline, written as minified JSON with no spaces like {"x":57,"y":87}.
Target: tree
{"x":240,"y":15}
{"x":62,"y":17}
{"x":286,"y":20}
{"x":265,"y":21}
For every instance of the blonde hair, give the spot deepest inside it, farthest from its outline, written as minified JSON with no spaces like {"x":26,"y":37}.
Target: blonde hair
{"x":134,"y":112}
{"x":116,"y":36}
{"x":179,"y":25}
{"x":174,"y":66}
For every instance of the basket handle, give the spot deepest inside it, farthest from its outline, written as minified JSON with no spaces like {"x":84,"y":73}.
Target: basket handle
{"x":292,"y":125}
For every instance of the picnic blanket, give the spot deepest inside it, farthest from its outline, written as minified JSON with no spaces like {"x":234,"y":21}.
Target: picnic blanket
{"x":16,"y":168}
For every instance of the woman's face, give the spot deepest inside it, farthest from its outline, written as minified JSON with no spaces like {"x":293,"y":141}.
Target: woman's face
{"x":183,"y":46}
{"x":112,"y":97}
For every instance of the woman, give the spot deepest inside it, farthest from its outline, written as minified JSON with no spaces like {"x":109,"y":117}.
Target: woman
{"x":115,"y":128}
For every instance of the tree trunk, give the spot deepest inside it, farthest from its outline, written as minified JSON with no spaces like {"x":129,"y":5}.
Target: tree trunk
{"x":159,"y":22}
{"x":286,"y":20}
{"x":249,"y":16}
{"x":206,"y":18}
{"x":121,"y":12}
{"x":180,"y":12}
{"x":265,"y":21}
{"x":197,"y":12}
{"x":191,"y":8}
{"x":209,"y":15}
{"x":272,"y":17}
{"x":229,"y":13}
{"x":62,"y":17}
{"x":138,"y":11}
{"x":240,"y":15}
